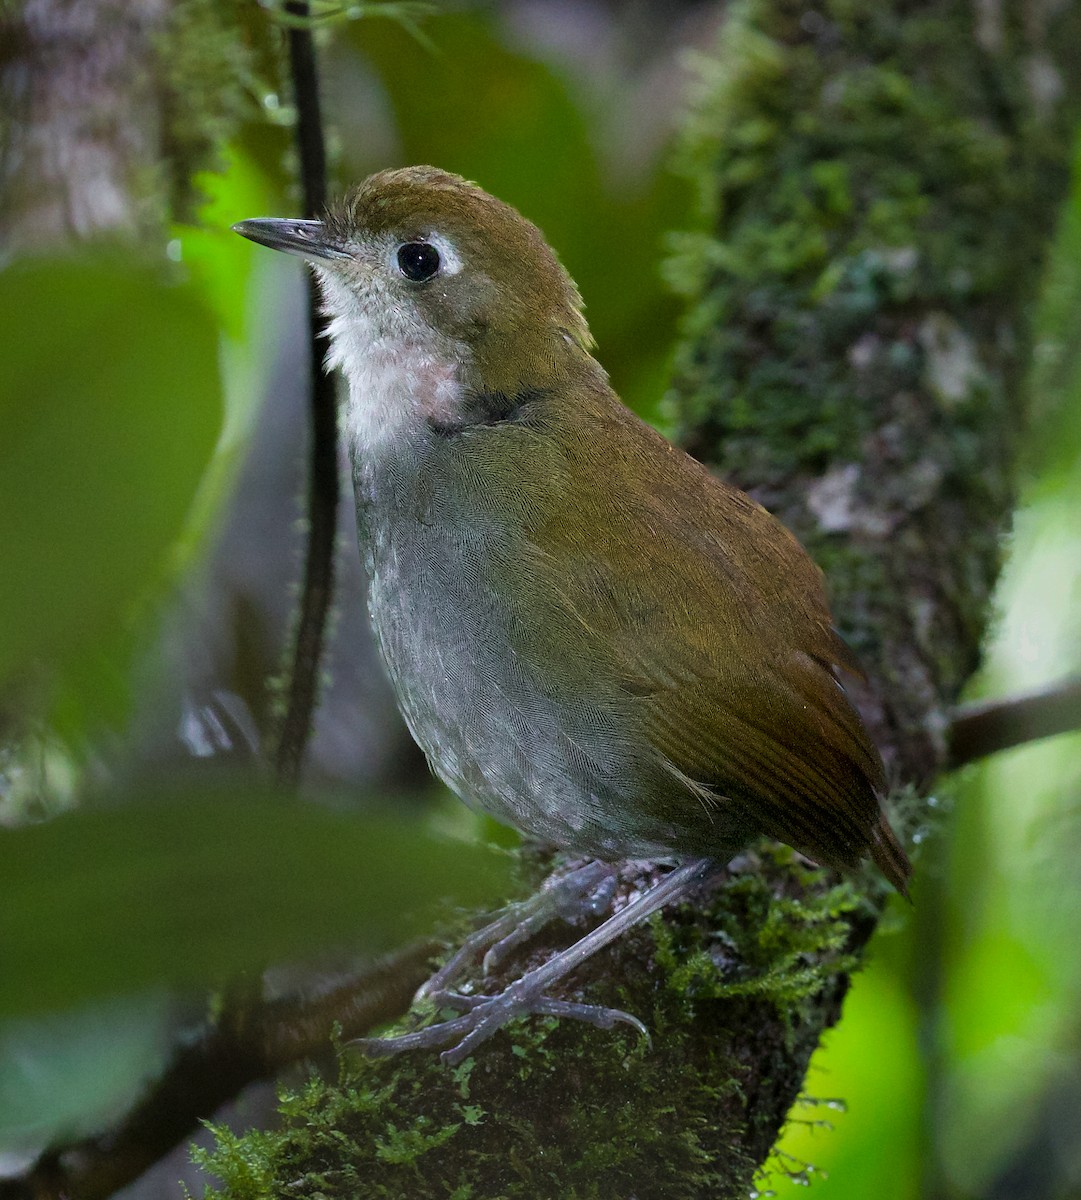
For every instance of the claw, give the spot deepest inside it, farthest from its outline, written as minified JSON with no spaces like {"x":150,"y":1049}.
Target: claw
{"x":486,"y":1015}
{"x":594,"y":1014}
{"x":457,"y":965}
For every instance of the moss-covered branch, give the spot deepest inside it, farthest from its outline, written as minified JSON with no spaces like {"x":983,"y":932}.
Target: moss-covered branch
{"x":881,"y":180}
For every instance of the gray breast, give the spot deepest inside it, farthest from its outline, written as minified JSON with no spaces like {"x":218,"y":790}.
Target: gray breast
{"x":502,"y":736}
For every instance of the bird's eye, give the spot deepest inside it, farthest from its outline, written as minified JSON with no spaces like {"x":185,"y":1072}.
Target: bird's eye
{"x":418,"y":261}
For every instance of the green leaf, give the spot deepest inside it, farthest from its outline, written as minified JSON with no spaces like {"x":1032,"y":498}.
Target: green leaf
{"x":192,"y":889}
{"x":65,"y":1075}
{"x":870,"y":1066}
{"x":109,"y":411}
{"x":219,"y":260}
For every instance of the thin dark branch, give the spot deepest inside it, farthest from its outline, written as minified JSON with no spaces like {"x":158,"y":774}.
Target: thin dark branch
{"x":310,"y":144}
{"x":978,"y":730}
{"x":212,"y":1069}
{"x":318,"y":588}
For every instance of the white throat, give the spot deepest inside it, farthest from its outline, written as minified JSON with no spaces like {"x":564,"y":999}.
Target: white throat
{"x":401,"y":377}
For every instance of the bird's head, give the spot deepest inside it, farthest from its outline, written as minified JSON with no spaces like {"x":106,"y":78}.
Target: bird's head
{"x":424,"y":257}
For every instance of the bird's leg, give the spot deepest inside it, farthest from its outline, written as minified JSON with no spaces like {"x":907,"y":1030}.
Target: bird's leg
{"x":483,"y":1016}
{"x":585,"y":891}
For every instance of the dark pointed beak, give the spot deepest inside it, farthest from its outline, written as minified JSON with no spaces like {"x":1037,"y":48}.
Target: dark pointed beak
{"x":309,"y":239}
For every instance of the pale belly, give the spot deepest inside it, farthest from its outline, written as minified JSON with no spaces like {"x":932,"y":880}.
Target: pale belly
{"x":558,"y":767}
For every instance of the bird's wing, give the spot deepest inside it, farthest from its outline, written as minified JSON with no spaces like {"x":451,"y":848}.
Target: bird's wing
{"x":714,"y":620}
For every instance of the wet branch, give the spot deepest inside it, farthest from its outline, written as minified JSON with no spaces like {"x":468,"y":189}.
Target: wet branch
{"x":979,"y":730}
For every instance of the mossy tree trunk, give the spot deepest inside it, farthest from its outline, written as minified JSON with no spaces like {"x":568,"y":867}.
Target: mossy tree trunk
{"x":881,"y":181}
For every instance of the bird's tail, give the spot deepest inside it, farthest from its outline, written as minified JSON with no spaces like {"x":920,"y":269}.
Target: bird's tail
{"x":890,"y":857}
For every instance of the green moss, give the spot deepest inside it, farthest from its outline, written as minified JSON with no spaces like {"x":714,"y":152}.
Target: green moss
{"x":215,"y":62}
{"x":368,"y":1136}
{"x":561,"y":1109}
{"x":816,"y":215}
{"x":775,"y":947}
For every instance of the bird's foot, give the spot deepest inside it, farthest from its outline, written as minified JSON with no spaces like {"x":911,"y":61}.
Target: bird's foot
{"x":482,"y":1016}
{"x":584,"y":891}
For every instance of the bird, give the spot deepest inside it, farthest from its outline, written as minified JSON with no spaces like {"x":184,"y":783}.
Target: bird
{"x":591,"y":636}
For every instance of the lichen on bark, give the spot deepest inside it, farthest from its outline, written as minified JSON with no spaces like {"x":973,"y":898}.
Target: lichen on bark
{"x":879,"y":183}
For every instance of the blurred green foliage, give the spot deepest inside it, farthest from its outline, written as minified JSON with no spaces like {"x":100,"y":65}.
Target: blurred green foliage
{"x":119,"y":431}
{"x":190,"y":888}
{"x":66,"y":1074}
{"x":110,"y":407}
{"x":864,"y":1095}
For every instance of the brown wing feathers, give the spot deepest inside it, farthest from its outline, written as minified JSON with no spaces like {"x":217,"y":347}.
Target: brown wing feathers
{"x":723,"y":635}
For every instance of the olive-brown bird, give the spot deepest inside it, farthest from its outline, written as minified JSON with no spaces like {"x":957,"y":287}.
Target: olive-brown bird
{"x":590,"y":636}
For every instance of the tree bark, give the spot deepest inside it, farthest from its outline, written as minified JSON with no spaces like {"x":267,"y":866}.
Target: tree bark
{"x":83,"y":124}
{"x":880,"y":180}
